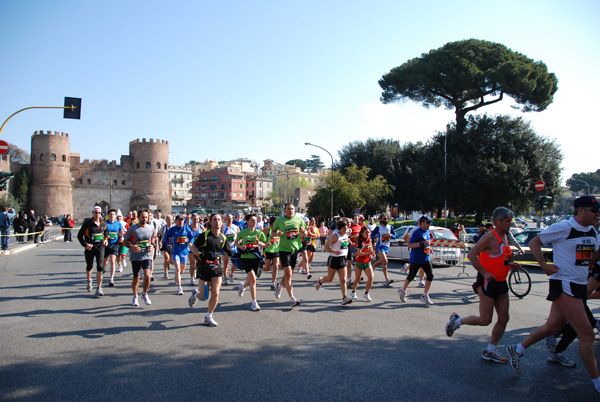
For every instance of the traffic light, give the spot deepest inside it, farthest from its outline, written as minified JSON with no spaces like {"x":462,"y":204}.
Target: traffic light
{"x":72,"y":108}
{"x":538,"y":203}
{"x":4,"y":178}
{"x":546,"y":200}
{"x":542,"y":202}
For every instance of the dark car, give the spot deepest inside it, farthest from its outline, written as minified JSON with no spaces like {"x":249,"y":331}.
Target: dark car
{"x":523,"y":238}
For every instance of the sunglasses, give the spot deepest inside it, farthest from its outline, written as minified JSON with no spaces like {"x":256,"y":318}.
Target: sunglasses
{"x":594,"y":210}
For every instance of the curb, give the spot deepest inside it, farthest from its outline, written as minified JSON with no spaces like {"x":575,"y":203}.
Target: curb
{"x":26,"y":247}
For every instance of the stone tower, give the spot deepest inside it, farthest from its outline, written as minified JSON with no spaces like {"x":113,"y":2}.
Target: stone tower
{"x":151,"y":185}
{"x":51,"y":192}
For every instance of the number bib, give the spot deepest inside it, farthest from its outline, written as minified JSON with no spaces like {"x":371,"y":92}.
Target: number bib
{"x":291,"y":234}
{"x":143,"y":244}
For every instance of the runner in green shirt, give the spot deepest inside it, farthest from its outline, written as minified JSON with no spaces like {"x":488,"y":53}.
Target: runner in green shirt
{"x":248,"y":242}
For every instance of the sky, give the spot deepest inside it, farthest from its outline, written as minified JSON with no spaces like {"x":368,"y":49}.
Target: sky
{"x":257,"y":79}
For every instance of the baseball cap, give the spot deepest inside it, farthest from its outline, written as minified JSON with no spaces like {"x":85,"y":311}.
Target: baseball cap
{"x":586,"y":201}
{"x":97,"y":209}
{"x":362,"y":218}
{"x":178,"y":217}
{"x":425,"y":218}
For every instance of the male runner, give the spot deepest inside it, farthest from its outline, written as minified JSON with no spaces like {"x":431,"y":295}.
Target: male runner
{"x":114,"y":230}
{"x":139,"y":239}
{"x":92,"y":236}
{"x":383,"y":233}
{"x":181,"y":237}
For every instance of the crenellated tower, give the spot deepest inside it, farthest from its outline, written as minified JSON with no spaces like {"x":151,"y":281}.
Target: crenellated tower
{"x":151,"y":185}
{"x":51,"y":192}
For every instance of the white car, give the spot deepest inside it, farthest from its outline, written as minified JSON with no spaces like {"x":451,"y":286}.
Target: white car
{"x":447,"y":249}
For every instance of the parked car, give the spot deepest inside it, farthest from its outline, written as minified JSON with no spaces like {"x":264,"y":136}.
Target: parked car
{"x":523,"y":238}
{"x":440,"y":255}
{"x":469,"y":233}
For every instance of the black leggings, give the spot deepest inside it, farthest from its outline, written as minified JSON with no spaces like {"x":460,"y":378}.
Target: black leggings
{"x":96,"y":252}
{"x":414,"y":268}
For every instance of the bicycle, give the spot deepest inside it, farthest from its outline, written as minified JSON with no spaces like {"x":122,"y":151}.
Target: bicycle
{"x":519,"y":282}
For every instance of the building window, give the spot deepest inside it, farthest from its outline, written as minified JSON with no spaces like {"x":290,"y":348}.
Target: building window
{"x":64,"y":158}
{"x":166,"y":167}
{"x":123,"y":182}
{"x":41,"y":157}
{"x":52,"y":157}
{"x":148,"y":165}
{"x":158,"y":165}
{"x":137,"y":165}
{"x":222,"y":186}
{"x":115,"y":182}
{"x":80,"y":181}
{"x":234,"y":185}
{"x":241,"y":185}
{"x":89,"y":181}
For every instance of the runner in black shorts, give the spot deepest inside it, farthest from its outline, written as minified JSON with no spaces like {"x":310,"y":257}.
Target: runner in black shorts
{"x":337,"y":247}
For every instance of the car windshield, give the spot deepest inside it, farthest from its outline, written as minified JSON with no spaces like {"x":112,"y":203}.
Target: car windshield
{"x":443,"y":234}
{"x":471,"y":230}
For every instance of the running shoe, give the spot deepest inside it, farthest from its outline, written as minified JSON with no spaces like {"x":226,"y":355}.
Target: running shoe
{"x":180,"y":291}
{"x":124,"y":264}
{"x":302,"y":271}
{"x":353,"y":296}
{"x":135,"y":301}
{"x":278,"y":291}
{"x":120,"y":268}
{"x":388,"y":282}
{"x":146,"y":298}
{"x":421,"y":284}
{"x":151,"y":279}
{"x":514,"y":358}
{"x":166,"y":276}
{"x":225,"y":280}
{"x":273,"y":287}
{"x":402,"y":294}
{"x":241,"y":290}
{"x":255,"y":306}
{"x":425,"y":299}
{"x":550,"y":343}
{"x":349,"y":282}
{"x":192,"y":282}
{"x":404,"y":269}
{"x":560,"y":359}
{"x":89,"y":286}
{"x":308,"y":277}
{"x":319,"y":284}
{"x":367,"y":297}
{"x":259,"y":271}
{"x":210,"y":322}
{"x":452,"y":325}
{"x":346,"y":300}
{"x":192,"y":299}
{"x":111,"y":284}
{"x":99,"y":292}
{"x":295,"y":303}
{"x":493,"y":357}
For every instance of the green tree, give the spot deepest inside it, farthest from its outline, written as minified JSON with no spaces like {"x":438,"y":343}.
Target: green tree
{"x":284,"y":189}
{"x":20,"y":187}
{"x":351,"y":190}
{"x":314,"y":164}
{"x":470,"y":74}
{"x":575,"y":182}
{"x":495,"y":161}
{"x":298,"y":163}
{"x":9,"y":201}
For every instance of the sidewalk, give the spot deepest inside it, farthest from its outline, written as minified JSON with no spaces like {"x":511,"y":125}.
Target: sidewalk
{"x":18,"y":247}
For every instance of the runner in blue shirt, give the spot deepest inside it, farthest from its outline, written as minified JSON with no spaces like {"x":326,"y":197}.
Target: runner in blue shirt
{"x":115,"y":232}
{"x":180,"y":236}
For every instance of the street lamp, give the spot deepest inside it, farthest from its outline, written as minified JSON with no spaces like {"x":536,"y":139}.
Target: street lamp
{"x":313,"y":145}
{"x":588,"y":186}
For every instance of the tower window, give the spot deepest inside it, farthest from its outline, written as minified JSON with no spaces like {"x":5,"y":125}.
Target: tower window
{"x":89,"y":181}
{"x":64,"y":158}
{"x":137,"y":165}
{"x":41,"y":157}
{"x":148,"y":165}
{"x":158,"y":165}
{"x":52,"y":157}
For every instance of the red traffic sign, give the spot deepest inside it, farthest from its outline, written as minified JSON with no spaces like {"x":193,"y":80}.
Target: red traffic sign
{"x":539,"y":185}
{"x":3,"y":147}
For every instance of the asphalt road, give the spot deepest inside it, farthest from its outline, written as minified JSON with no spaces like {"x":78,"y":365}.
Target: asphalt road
{"x":59,"y":342}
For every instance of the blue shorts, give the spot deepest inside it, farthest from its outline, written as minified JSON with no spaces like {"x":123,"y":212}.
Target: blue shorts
{"x":383,"y":249}
{"x":180,"y":258}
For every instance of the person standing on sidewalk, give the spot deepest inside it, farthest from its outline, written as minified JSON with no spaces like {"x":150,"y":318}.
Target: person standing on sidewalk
{"x":92,"y":236}
{"x":5,"y":227}
{"x":492,"y":257}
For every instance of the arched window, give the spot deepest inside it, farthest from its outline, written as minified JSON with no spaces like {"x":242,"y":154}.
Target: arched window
{"x":158,"y":165}
{"x":80,"y":181}
{"x":64,"y":158}
{"x":165,"y":166}
{"x":89,"y":181}
{"x":41,"y":157}
{"x":137,"y":165}
{"x":123,"y":182}
{"x":52,"y":157}
{"x":115,"y":182}
{"x":148,"y":165}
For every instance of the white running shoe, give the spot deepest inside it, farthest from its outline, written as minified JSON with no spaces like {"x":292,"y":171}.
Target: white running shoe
{"x":166,"y":276}
{"x":319,"y":284}
{"x":388,"y":282}
{"x":452,"y":326}
{"x":124,"y":263}
{"x":193,"y":298}
{"x":89,"y":286}
{"x":421,"y":284}
{"x":353,"y":296}
{"x":278,"y":290}
{"x":425,"y":299}
{"x":241,"y":290}
{"x":135,"y":301}
{"x":180,"y":291}
{"x":192,"y":282}
{"x":120,"y":268}
{"x":346,"y":301}
{"x":146,"y":298}
{"x":367,"y":297}
{"x":402,"y":294}
{"x":560,"y":359}
{"x":210,"y":322}
{"x":255,"y":306}
{"x":99,"y":292}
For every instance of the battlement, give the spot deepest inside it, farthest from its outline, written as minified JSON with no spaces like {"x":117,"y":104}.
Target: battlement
{"x":99,"y":164}
{"x":150,"y":141}
{"x":49,"y":132}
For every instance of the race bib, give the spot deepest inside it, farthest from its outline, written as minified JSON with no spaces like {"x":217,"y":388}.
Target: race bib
{"x":182,"y":240}
{"x":112,"y":235}
{"x":583,"y":254}
{"x":251,"y":242}
{"x":97,"y":237}
{"x":427,"y":250}
{"x":291,"y":234}
{"x":344,"y":245}
{"x":274,"y":240}
{"x":143,"y":244}
{"x":230,"y":238}
{"x":385,"y":238}
{"x":307,"y":240}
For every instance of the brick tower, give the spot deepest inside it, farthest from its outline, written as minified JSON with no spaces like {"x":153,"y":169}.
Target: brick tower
{"x":51,"y":192}
{"x":150,"y":183}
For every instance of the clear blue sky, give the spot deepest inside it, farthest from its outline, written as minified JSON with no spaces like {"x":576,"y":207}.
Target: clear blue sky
{"x":257,"y":79}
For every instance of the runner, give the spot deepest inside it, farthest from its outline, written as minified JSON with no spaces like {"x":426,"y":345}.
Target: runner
{"x":238,"y":221}
{"x":323,"y":231}
{"x":207,"y":248}
{"x":355,"y":226}
{"x":309,"y":240}
{"x":197,"y":230}
{"x":115,"y":232}
{"x":290,"y":229}
{"x":92,"y":236}
{"x":230,"y":231}
{"x":337,"y":247}
{"x":249,"y":241}
{"x":121,"y":258}
{"x":364,"y":254}
{"x":492,"y":257}
{"x":383,"y":233}
{"x":166,"y":248}
{"x":419,"y":259}
{"x":180,"y":237}
{"x":139,"y":239}
{"x":271,"y":252}
{"x":574,"y":245}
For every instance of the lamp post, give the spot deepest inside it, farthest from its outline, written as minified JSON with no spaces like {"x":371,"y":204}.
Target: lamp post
{"x":588,"y":186}
{"x":313,"y":145}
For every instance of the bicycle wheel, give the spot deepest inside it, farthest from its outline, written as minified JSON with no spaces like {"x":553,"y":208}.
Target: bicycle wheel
{"x":519,"y":283}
